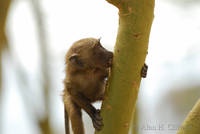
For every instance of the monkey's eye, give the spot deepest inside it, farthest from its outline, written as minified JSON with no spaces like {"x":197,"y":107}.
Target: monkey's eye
{"x":97,"y":45}
{"x":100,"y":46}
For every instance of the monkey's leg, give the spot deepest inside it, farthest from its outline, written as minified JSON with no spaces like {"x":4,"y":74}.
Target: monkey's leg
{"x":75,"y":115}
{"x":66,"y":121}
{"x":144,"y":71}
{"x":84,"y":103}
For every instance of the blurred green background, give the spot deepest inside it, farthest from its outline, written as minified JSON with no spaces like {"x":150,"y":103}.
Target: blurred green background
{"x":35,"y":35}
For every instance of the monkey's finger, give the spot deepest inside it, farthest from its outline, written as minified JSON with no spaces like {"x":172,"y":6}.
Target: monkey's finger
{"x":98,"y":120}
{"x":98,"y":116}
{"x":98,"y":128}
{"x":144,"y":74}
{"x":144,"y":71}
{"x":97,"y":124}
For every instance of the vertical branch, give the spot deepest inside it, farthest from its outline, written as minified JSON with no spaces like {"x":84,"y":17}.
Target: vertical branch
{"x":135,"y":20}
{"x":4,"y":8}
{"x":191,"y":125}
{"x":44,"y":124}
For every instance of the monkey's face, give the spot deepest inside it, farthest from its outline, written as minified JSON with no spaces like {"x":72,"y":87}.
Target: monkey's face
{"x":89,"y":53}
{"x":101,"y":57}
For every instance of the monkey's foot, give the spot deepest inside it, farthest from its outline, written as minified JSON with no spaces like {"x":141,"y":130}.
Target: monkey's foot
{"x":97,"y":120}
{"x":144,"y":71}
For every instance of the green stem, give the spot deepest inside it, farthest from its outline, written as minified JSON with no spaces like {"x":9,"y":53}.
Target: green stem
{"x":135,"y":20}
{"x":191,"y":125}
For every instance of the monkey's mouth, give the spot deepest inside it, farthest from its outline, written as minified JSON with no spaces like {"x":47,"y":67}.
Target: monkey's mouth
{"x":109,"y":63}
{"x":110,"y":60}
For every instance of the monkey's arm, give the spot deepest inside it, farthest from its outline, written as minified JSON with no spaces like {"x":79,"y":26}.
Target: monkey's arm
{"x":84,"y":103}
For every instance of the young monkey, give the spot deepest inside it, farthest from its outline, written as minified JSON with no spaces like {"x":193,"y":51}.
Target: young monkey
{"x":87,"y":68}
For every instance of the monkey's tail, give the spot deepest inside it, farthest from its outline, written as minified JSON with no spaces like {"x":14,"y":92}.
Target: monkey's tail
{"x":66,"y":121}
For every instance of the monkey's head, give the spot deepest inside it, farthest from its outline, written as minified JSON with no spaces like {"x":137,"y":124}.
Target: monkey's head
{"x":89,"y":53}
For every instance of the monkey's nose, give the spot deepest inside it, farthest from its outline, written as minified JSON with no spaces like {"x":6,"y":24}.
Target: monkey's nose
{"x":110,"y":59}
{"x":110,"y":55}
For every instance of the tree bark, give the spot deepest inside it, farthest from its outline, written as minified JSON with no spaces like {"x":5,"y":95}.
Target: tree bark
{"x":191,"y":125}
{"x":135,"y":20}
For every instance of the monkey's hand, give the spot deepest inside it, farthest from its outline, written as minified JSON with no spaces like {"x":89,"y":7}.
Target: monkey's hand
{"x":144,"y":71}
{"x":84,"y":103}
{"x":97,"y":120}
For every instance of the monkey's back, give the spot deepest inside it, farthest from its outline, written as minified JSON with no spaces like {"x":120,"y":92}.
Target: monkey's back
{"x":91,"y":84}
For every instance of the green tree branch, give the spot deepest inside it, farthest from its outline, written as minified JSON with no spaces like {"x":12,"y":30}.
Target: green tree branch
{"x":191,"y":125}
{"x":135,"y":20}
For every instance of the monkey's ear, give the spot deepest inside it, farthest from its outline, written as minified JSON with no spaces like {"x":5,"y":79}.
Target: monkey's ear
{"x":97,"y":43}
{"x":99,"y":39}
{"x":75,"y":60}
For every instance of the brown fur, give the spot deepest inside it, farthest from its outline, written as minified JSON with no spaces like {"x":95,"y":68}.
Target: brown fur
{"x":87,"y":67}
